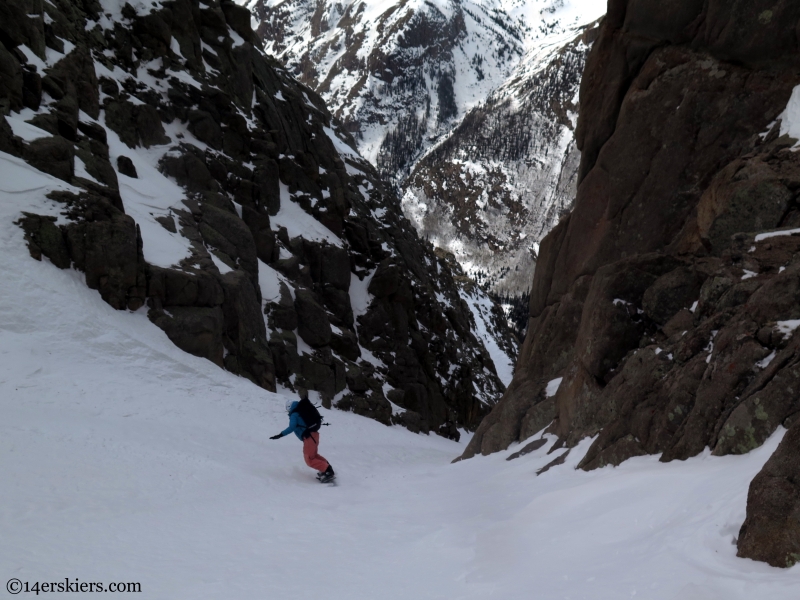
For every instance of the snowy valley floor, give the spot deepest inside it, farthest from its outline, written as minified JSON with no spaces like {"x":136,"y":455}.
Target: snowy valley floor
{"x":124,"y":459}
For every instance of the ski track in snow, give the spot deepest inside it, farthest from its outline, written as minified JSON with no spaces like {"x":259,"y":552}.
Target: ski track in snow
{"x":125,"y":459}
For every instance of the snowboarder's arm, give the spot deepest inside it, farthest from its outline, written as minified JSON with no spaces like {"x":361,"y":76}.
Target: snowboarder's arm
{"x":292,"y":425}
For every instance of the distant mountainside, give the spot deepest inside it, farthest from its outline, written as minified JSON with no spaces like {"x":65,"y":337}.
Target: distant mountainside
{"x":398,"y":74}
{"x":185,"y":173}
{"x":502,"y":178}
{"x":466,"y":108}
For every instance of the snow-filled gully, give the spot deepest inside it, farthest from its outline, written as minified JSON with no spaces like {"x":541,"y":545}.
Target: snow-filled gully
{"x":124,"y":458}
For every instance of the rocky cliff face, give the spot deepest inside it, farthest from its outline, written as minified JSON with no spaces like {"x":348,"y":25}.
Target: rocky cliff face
{"x":467,"y":109}
{"x":206,"y":186}
{"x":664,"y":308}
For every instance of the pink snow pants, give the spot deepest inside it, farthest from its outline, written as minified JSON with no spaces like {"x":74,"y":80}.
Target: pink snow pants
{"x":313,"y":458}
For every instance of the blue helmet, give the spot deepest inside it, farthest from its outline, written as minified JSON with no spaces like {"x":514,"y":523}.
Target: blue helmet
{"x":289,"y":404}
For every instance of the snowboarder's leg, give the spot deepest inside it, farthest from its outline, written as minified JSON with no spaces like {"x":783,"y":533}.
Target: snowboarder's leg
{"x":312,"y":457}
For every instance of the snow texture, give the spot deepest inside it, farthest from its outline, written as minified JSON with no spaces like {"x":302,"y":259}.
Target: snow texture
{"x":748,"y":274}
{"x":23,"y":188}
{"x":771,"y":234}
{"x":787,"y":327}
{"x":480,"y":305}
{"x":763,"y":364}
{"x":300,"y":223}
{"x":790,"y":118}
{"x":24,"y":130}
{"x":360,"y":298}
{"x":552,"y":387}
{"x":270,"y":282}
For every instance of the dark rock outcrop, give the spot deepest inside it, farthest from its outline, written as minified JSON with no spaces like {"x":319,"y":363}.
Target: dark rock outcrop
{"x":54,"y":155}
{"x":315,"y":328}
{"x":670,"y":320}
{"x":45,"y":238}
{"x":647,"y":299}
{"x":100,"y":240}
{"x":126,"y":167}
{"x":288,"y":233}
{"x":771,"y":531}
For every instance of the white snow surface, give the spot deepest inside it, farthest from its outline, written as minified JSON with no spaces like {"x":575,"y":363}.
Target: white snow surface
{"x":788,"y":327}
{"x":360,"y":298}
{"x":221,"y":266}
{"x":24,"y":130}
{"x":763,"y":364}
{"x":341,"y":147}
{"x":269,"y":280}
{"x":480,"y":305}
{"x":771,"y":234}
{"x":790,"y":118}
{"x":299,"y":223}
{"x":23,"y":188}
{"x":125,"y":459}
{"x":552,"y":386}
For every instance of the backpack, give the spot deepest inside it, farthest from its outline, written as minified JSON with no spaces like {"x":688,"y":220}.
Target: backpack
{"x":310,"y":415}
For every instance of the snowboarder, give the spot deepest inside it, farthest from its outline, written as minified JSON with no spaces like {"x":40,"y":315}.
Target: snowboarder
{"x":305,"y":421}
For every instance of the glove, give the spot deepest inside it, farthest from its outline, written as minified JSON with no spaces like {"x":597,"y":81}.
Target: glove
{"x":276,"y":437}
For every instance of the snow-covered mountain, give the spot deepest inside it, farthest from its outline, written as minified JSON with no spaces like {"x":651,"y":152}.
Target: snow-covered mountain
{"x":126,"y":454}
{"x":467,"y":108}
{"x":187,"y":175}
{"x":398,"y":74}
{"x":502,"y":178}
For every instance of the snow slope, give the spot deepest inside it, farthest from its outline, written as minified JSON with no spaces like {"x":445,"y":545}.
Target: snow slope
{"x":485,"y":313}
{"x":125,"y":459}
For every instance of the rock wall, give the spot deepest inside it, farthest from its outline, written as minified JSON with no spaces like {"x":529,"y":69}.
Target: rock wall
{"x":669,"y":320}
{"x":299,"y":269}
{"x":771,"y":531}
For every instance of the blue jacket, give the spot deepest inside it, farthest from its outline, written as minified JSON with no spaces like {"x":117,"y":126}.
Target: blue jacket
{"x":296,"y":424}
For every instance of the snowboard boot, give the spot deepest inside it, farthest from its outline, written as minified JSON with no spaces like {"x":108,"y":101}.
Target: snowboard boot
{"x":327,"y":475}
